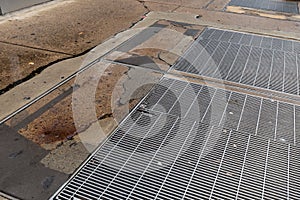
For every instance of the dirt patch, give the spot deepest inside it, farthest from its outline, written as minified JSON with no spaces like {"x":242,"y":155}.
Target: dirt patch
{"x":50,"y":120}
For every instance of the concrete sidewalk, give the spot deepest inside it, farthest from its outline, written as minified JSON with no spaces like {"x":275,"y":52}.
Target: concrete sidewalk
{"x":45,"y":46}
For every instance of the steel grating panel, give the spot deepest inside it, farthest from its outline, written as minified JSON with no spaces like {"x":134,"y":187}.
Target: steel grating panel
{"x":270,"y":5}
{"x":202,"y":163}
{"x":237,"y":111}
{"x":249,"y":59}
{"x":157,"y":153}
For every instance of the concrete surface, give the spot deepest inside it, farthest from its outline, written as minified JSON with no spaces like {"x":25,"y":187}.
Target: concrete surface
{"x":65,"y":30}
{"x":13,"y":5}
{"x":42,"y":143}
{"x":22,"y":174}
{"x":18,"y":62}
{"x":73,"y":27}
{"x":60,"y":159}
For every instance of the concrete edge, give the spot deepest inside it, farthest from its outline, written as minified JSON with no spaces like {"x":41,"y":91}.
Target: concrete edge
{"x":9,"y":6}
{"x":14,"y":100}
{"x":4,"y":196}
{"x":17,"y":94}
{"x":33,"y":10}
{"x":191,"y":19}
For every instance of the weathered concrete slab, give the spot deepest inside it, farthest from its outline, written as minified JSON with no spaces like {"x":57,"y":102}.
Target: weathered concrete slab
{"x":28,"y":48}
{"x":19,"y":63}
{"x":18,"y":96}
{"x":165,"y":43}
{"x":254,"y":24}
{"x":72,"y":27}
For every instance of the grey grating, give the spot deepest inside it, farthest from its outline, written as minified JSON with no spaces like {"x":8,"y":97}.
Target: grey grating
{"x":157,"y":153}
{"x":237,"y":111}
{"x":254,"y":60}
{"x":270,"y":5}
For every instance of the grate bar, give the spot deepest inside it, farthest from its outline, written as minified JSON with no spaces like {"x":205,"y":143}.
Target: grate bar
{"x":148,"y":165}
{"x":130,"y":156}
{"x":218,"y":172}
{"x":179,"y":153}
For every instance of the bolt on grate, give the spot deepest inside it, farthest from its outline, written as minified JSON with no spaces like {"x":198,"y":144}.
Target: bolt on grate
{"x":249,"y":59}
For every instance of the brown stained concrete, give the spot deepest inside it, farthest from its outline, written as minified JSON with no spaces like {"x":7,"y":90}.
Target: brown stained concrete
{"x":59,"y":32}
{"x":74,"y":27}
{"x":161,"y":7}
{"x":50,"y":122}
{"x":18,"y":62}
{"x":51,"y":119}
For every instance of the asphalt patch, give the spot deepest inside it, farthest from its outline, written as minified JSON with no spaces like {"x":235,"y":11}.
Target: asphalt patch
{"x":22,"y":174}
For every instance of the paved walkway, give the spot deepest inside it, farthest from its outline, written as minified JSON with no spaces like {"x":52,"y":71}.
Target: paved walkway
{"x":40,"y":61}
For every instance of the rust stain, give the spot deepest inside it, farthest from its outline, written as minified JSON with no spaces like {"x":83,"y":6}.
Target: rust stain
{"x":235,"y":9}
{"x":53,"y":125}
{"x":56,"y":123}
{"x":262,"y":13}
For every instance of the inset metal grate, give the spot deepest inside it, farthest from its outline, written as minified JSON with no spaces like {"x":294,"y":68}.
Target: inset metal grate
{"x":237,"y":111}
{"x":254,"y":60}
{"x":157,"y":153}
{"x":270,"y":5}
{"x":202,"y":163}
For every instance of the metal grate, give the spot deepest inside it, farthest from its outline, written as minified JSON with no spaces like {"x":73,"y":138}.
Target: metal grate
{"x":246,"y":113}
{"x":264,"y":62}
{"x":270,"y":5}
{"x":158,"y":154}
{"x":204,"y":163}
